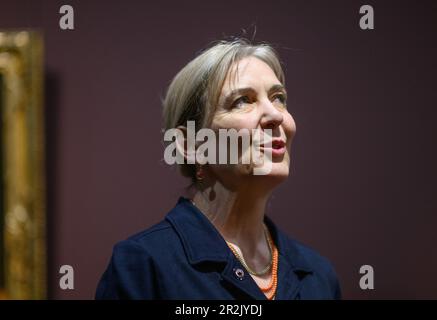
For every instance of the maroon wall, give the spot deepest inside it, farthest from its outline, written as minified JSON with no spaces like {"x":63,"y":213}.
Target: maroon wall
{"x":363,"y":189}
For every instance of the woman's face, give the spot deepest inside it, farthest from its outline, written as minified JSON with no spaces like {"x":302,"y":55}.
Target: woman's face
{"x":252,"y":97}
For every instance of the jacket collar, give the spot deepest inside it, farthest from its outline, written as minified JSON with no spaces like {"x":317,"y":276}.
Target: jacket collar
{"x":202,"y":242}
{"x":200,"y":239}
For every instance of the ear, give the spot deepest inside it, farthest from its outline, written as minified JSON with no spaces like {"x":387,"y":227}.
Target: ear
{"x":185,"y":145}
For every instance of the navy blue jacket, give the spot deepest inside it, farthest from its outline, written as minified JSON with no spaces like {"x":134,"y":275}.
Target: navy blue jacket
{"x":185,"y":257}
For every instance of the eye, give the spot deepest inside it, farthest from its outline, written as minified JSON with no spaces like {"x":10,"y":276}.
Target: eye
{"x":240,"y":101}
{"x":282,"y":98}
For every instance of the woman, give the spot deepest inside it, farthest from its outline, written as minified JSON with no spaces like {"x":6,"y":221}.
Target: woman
{"x":218,"y":243}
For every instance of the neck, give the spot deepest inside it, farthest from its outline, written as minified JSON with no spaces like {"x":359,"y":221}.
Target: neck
{"x":237,"y":215}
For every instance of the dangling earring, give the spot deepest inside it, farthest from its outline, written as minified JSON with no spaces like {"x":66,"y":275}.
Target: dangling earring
{"x":200,"y":175}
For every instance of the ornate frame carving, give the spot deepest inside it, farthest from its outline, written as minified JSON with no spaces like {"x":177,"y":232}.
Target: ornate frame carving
{"x":23,"y":162}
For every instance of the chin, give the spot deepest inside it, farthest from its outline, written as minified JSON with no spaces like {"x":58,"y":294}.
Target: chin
{"x":279,"y":173}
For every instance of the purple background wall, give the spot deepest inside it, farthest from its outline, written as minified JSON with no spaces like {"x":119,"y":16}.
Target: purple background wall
{"x":363,"y":189}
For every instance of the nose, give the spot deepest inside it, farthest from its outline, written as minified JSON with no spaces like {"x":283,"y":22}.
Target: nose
{"x":271,"y":117}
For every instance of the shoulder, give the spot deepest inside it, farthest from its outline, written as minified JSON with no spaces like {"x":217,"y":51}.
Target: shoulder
{"x":152,"y":241}
{"x":321,"y":268}
{"x":314,"y":259}
{"x":132,"y":270}
{"x":158,"y":231}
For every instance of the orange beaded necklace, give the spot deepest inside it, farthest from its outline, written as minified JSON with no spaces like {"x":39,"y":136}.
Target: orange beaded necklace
{"x":270,"y":289}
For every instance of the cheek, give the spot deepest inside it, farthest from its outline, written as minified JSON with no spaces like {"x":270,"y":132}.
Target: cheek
{"x":236,"y":121}
{"x":289,"y":126}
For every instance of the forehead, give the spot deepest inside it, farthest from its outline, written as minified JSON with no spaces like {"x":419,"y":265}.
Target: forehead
{"x":249,"y":72}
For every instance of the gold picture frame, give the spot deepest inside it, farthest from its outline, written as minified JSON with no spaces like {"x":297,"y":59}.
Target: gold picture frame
{"x":23,"y":206}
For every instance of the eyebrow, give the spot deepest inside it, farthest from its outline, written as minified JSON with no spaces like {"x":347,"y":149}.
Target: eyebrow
{"x":233,"y":93}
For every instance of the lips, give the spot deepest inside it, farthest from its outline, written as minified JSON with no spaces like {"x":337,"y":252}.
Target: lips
{"x":278,"y":144}
{"x":277,"y":148}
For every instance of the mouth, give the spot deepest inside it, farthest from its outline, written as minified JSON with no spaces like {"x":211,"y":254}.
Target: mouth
{"x":278,"y":147}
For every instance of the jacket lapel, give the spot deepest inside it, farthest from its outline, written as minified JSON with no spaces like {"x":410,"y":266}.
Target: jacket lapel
{"x":245,"y":283}
{"x":289,"y":280}
{"x":292,"y":267}
{"x":203,"y":243}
